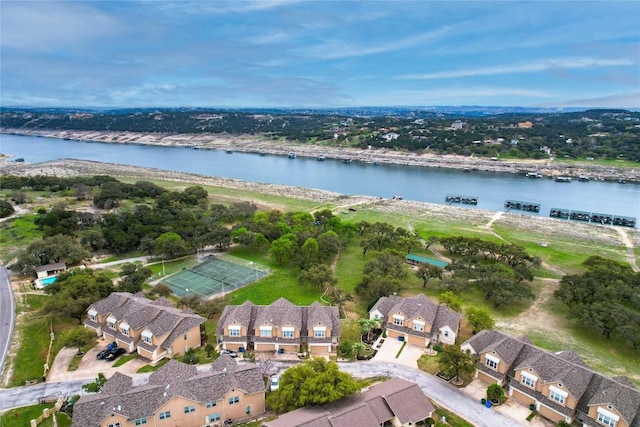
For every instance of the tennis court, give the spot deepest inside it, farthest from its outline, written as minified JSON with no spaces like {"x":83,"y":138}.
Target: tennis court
{"x":212,"y":276}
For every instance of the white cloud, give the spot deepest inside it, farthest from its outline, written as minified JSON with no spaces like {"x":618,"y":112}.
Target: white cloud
{"x":531,"y":67}
{"x":46,"y":26}
{"x":337,"y":49}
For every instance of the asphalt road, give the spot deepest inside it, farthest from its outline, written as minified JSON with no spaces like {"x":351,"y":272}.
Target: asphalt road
{"x":28,"y":395}
{"x":7,"y":314}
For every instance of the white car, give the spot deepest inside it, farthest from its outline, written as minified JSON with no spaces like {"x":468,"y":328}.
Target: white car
{"x":275,"y":383}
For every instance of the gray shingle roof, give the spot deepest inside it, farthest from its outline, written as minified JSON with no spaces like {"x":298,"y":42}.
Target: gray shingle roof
{"x":622,"y":396}
{"x":586,"y":386}
{"x":240,"y":314}
{"x":396,"y":397}
{"x":186,"y":324}
{"x":53,"y":266}
{"x":279,"y":313}
{"x":173,"y":379}
{"x":419,"y":305}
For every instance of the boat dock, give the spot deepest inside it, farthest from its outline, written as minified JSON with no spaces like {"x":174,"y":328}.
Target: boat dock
{"x":521,"y":206}
{"x":563,"y":179}
{"x":593,"y":217}
{"x":466,"y":200}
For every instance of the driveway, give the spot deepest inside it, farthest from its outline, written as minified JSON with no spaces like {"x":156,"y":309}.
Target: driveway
{"x":89,"y":366}
{"x":389,"y":350}
{"x":443,"y":394}
{"x":478,"y":389}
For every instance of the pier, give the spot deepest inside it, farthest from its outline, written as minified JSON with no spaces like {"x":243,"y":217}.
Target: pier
{"x":522,"y":206}
{"x":466,"y":200}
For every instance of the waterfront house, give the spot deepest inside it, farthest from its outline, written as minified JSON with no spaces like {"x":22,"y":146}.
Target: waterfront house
{"x":155,"y":329}
{"x":176,"y":394}
{"x":559,"y":385}
{"x":279,"y":327}
{"x":417,"y":319}
{"x":394,"y":402}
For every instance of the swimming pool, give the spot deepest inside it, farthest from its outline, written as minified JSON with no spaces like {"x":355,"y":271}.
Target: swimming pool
{"x":48,"y":280}
{"x":421,"y":259}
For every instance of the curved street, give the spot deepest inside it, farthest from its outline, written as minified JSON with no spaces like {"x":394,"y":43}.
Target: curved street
{"x":7,"y":311}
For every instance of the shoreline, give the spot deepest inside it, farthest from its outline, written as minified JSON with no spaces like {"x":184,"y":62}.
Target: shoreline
{"x":545,"y":228}
{"x":262,"y":145}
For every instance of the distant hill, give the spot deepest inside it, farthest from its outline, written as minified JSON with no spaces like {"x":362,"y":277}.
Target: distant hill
{"x":501,"y":132}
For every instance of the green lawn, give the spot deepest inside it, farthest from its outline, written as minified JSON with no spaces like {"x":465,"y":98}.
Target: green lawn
{"x":153,"y":368}
{"x":15,"y":234}
{"x":21,"y":417}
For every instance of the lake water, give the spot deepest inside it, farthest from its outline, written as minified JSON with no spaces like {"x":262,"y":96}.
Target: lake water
{"x":411,"y":182}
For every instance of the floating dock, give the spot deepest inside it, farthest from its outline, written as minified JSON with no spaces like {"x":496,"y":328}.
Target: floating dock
{"x":466,"y":200}
{"x":534,"y":175}
{"x":593,"y":217}
{"x":563,"y":179}
{"x":521,"y":206}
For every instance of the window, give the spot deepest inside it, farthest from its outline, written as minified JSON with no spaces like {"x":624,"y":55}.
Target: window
{"x":115,"y":425}
{"x":214,"y":417}
{"x":558,"y":397}
{"x":446,"y":333}
{"x":247,"y":410}
{"x":165,"y":415}
{"x":606,"y":420}
{"x":319,"y":331}
{"x":112,"y":325}
{"x":233,"y":400}
{"x":265,"y":331}
{"x":125,"y":331}
{"x":398,"y":320}
{"x":188,"y":409}
{"x":211,"y":404}
{"x":185,"y":337}
{"x":147,"y":339}
{"x":287,"y":334}
{"x":141,"y":421}
{"x":492,"y":362}
{"x":234,"y":331}
{"x":92,"y":318}
{"x":528,"y":380}
{"x":418,"y":326}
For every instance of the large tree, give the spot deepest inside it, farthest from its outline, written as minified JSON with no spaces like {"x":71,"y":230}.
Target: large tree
{"x":454,"y":362}
{"x":479,"y":318}
{"x":428,"y":271}
{"x":314,"y":382}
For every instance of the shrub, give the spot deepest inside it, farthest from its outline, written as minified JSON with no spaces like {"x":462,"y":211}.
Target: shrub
{"x":437,"y":348}
{"x":495,"y":392}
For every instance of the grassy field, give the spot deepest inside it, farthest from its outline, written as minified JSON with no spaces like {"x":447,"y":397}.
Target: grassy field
{"x":22,"y":417}
{"x":15,"y":234}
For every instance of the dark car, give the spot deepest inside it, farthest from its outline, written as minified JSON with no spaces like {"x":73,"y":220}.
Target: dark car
{"x":103,"y":354}
{"x":114,"y":354}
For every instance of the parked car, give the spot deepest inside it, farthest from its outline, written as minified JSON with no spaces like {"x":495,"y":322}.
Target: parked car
{"x":103,"y":354}
{"x":275,"y":383}
{"x":114,"y":354}
{"x":229,"y":352}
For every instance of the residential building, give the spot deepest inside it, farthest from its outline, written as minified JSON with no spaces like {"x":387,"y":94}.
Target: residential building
{"x":280,"y":326}
{"x":155,"y":329}
{"x":457,"y":125}
{"x":417,"y":319}
{"x":177,"y":394}
{"x":559,"y":385}
{"x":395,"y":402}
{"x":48,"y":270}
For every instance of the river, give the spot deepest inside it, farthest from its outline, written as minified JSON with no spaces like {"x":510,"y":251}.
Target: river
{"x":356,"y":178}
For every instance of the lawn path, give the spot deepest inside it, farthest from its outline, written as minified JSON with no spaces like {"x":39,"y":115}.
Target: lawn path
{"x":631,"y":256}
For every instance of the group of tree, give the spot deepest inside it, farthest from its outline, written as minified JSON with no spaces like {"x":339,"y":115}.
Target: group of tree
{"x":605,"y":298}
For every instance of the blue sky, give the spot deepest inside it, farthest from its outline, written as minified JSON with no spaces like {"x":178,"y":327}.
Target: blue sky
{"x":274,"y":53}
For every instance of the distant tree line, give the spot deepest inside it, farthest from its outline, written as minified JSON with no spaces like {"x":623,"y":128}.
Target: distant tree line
{"x":602,"y":134}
